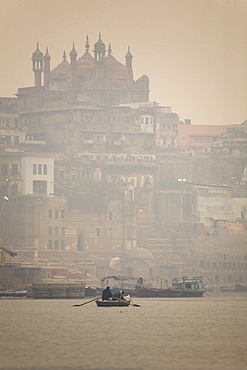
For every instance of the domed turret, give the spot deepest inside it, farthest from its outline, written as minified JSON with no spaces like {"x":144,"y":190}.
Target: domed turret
{"x":73,"y":53}
{"x":37,"y":58}
{"x":99,"y":51}
{"x":37,"y":54}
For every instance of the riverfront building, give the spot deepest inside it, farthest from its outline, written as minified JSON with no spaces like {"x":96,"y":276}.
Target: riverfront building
{"x":92,"y":169}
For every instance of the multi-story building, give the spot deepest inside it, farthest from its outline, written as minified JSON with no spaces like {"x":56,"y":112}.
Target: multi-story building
{"x":119,"y":162}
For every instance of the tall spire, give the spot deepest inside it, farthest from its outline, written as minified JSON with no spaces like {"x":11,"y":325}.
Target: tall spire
{"x":47,"y":68}
{"x":87,"y":44}
{"x":109,"y":49}
{"x":129,"y":58}
{"x":73,"y":66}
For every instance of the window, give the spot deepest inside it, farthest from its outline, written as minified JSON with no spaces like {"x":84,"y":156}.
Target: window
{"x":61,"y":174}
{"x":40,"y":169}
{"x":45,"y":169}
{"x":14,"y":169}
{"x":49,"y":244}
{"x":50,"y":213}
{"x":62,"y":231}
{"x":56,"y":214}
{"x":62,"y":213}
{"x":62,"y":244}
{"x":4,"y":169}
{"x":34,"y":169}
{"x":16,"y":140}
{"x":56,"y":230}
{"x":16,"y":123}
{"x":8,"y":140}
{"x":203,"y":192}
{"x":40,"y":187}
{"x":98,"y":232}
{"x":56,"y":244}
{"x":50,"y":230}
{"x":110,"y":216}
{"x":7,"y":122}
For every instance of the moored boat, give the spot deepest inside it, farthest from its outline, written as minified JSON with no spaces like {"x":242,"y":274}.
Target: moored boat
{"x":11,"y":293}
{"x":240,"y":288}
{"x":90,"y":291}
{"x":146,"y":292}
{"x":189,"y":287}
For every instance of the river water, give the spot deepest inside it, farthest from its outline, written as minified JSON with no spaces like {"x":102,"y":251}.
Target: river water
{"x":164,"y":333}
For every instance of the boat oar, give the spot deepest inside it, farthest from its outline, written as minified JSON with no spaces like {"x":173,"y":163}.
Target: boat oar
{"x":131,"y":304}
{"x":82,"y":304}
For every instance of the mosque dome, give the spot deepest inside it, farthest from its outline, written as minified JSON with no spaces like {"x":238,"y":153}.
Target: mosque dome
{"x":114,"y":69}
{"x":139,"y":254}
{"x":86,"y":65}
{"x":62,"y":70}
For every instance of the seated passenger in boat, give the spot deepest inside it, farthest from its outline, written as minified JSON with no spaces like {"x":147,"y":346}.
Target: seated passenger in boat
{"x":119,"y":295}
{"x":106,"y":294}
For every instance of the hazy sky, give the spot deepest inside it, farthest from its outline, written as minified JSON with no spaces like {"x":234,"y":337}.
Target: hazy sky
{"x":193,"y":51}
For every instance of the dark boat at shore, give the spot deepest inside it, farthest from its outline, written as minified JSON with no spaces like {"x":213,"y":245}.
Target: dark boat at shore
{"x":145,"y":292}
{"x":91,"y":292}
{"x":238,"y":288}
{"x":11,"y":293}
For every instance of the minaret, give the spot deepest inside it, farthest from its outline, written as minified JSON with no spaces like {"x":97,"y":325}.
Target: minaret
{"x":99,"y":51}
{"x":99,"y":57}
{"x":129,"y":58}
{"x":37,"y":59}
{"x":73,"y":56}
{"x":47,"y":68}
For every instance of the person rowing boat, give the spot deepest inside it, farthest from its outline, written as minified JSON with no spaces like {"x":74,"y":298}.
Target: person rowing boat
{"x":106,"y":294}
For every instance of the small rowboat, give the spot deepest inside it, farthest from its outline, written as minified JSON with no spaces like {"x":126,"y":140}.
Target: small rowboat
{"x":111,"y":303}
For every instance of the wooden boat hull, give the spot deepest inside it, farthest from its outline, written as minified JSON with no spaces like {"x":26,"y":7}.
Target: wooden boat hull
{"x":192,"y":293}
{"x":90,"y":292}
{"x":159,"y":293}
{"x":240,"y":288}
{"x":112,"y":303}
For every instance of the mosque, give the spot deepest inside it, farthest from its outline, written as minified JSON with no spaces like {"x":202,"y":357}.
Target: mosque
{"x":99,"y":78}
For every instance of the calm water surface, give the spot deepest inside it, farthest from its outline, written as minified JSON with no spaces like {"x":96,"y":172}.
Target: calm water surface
{"x":183,"y":333}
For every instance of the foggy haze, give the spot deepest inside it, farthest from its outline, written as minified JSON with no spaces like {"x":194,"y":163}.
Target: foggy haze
{"x":193,"y":51}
